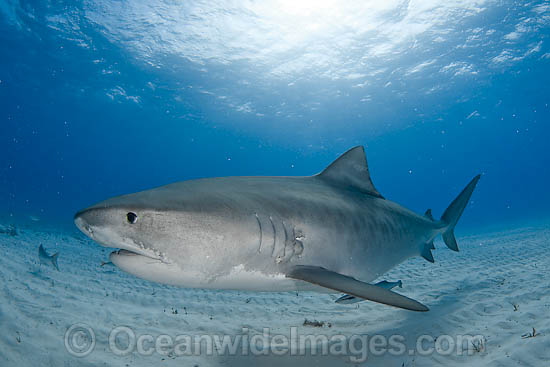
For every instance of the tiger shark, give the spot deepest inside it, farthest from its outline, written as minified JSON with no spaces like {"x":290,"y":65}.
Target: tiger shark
{"x":330,"y":232}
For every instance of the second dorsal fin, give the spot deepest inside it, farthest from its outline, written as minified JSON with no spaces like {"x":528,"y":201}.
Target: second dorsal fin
{"x":351,"y":170}
{"x":429,"y":215}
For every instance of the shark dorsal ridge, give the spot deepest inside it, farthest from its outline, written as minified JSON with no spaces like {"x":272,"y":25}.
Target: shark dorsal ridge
{"x":351,"y":170}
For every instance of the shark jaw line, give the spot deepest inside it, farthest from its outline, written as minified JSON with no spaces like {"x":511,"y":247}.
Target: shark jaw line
{"x":137,"y":252}
{"x":127,"y":246}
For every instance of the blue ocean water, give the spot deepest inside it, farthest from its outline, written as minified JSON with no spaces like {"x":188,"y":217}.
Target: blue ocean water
{"x":100,"y":98}
{"x":106,"y":97}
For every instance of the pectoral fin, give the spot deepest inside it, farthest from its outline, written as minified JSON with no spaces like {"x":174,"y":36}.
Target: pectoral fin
{"x":342,"y":283}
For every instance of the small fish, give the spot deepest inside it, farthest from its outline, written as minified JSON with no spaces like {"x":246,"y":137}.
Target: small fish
{"x":348,"y":299}
{"x":34,"y":218}
{"x":47,"y":259}
{"x":103,"y":263}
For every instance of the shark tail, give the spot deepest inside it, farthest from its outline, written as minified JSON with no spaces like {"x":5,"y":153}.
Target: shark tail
{"x":454,"y":211}
{"x":54,"y":260}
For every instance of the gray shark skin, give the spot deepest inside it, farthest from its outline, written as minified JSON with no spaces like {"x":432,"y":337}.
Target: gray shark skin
{"x":331,"y":232}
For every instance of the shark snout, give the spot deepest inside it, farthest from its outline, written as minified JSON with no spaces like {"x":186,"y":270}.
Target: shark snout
{"x":84,"y":220}
{"x":81,"y":224}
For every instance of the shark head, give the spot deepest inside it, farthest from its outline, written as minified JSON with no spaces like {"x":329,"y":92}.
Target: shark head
{"x":125,"y":224}
{"x":117,"y":226}
{"x":173,"y":234}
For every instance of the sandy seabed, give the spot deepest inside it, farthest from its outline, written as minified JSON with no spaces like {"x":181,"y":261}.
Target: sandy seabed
{"x":495,"y":290}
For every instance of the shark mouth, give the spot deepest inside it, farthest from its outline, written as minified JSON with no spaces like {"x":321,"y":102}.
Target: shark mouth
{"x":137,"y":252}
{"x":123,"y":252}
{"x":124,"y":246}
{"x":108,"y":238}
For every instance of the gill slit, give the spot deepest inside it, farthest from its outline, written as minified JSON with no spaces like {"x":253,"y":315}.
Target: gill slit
{"x":261,"y":232}
{"x":286,"y":239}
{"x":274,"y":235}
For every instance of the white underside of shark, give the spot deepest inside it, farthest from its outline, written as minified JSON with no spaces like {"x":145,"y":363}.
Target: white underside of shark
{"x":238,"y":278}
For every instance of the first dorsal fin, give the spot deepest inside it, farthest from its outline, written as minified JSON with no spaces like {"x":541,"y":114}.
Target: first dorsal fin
{"x":351,"y":170}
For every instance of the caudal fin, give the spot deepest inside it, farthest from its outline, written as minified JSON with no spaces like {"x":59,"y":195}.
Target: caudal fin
{"x":454,"y":211}
{"x":54,"y":260}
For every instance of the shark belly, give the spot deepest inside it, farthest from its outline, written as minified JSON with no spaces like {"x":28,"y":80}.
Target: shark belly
{"x":238,"y":278}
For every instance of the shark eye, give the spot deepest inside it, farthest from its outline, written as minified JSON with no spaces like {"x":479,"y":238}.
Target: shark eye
{"x":131,"y":217}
